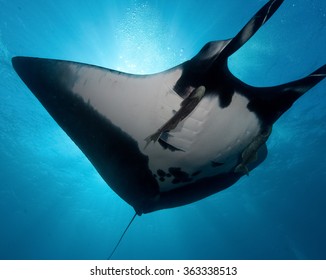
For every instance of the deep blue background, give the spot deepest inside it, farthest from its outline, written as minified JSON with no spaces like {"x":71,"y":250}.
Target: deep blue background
{"x":54,"y":205}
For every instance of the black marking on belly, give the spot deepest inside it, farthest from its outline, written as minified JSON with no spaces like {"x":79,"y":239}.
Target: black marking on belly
{"x":179,"y":175}
{"x":161,"y":173}
{"x":196,"y":173}
{"x":216,"y":164}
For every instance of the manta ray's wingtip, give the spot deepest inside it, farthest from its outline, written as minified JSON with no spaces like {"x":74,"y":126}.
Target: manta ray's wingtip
{"x":275,"y":3}
{"x":21,"y":63}
{"x":19,"y":59}
{"x":15,"y":60}
{"x":252,"y":26}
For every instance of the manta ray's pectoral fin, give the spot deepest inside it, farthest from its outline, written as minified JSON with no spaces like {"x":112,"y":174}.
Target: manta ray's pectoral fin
{"x":187,"y":106}
{"x":257,"y":21}
{"x":250,"y":154}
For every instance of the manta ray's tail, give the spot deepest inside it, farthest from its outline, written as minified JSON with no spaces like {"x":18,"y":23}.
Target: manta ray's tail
{"x":123,"y":234}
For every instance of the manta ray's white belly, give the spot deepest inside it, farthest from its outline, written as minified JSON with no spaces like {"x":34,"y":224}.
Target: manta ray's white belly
{"x":209,"y":142}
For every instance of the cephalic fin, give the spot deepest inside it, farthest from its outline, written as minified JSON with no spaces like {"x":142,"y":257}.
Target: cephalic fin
{"x":303,"y":85}
{"x":271,"y":102}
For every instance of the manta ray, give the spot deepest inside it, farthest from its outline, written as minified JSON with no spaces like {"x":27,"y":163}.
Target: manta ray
{"x":172,"y":138}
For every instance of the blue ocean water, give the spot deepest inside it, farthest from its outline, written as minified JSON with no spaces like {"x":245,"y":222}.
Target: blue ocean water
{"x":54,"y":205}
